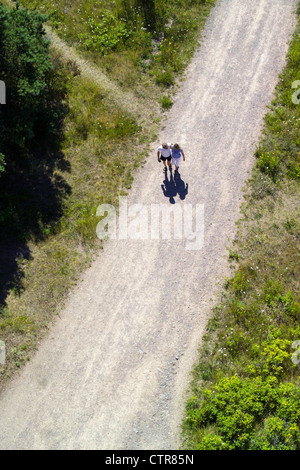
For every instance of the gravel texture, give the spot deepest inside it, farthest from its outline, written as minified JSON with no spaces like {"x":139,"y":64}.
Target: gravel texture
{"x":114,"y":369}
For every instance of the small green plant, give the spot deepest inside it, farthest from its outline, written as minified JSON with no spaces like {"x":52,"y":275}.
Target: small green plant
{"x":233,"y":255}
{"x":165,"y":77}
{"x":238,"y":283}
{"x":262,"y":185}
{"x":212,"y":442}
{"x":269,"y":163}
{"x":166,"y":102}
{"x":2,"y":162}
{"x":168,"y":55}
{"x":104,"y":35}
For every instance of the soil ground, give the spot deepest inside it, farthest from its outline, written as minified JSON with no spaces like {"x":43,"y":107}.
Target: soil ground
{"x":114,"y":369}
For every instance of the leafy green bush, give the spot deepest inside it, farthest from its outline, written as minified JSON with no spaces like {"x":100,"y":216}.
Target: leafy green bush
{"x":166,"y":102}
{"x":2,"y":162}
{"x":212,"y":442}
{"x":272,"y":357}
{"x":31,"y":124}
{"x":269,"y":163}
{"x":104,"y":35}
{"x":237,"y":407}
{"x":25,"y":66}
{"x":168,"y":55}
{"x":32,"y":111}
{"x":164,"y":77}
{"x":276,"y":434}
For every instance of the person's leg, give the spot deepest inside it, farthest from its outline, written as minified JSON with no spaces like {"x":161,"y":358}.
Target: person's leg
{"x":175,"y":162}
{"x":163,"y":159}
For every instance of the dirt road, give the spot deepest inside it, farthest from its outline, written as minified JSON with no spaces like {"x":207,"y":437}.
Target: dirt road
{"x":113,"y":371}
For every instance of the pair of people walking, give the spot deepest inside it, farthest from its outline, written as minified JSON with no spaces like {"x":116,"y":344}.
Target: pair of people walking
{"x":170,"y":155}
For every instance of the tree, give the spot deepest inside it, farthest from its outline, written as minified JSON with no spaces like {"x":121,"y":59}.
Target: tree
{"x":24,"y":67}
{"x":31,"y":125}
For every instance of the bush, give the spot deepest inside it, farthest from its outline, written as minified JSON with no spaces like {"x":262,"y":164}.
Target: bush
{"x":165,"y":77}
{"x":236,"y":407}
{"x":268,"y":163}
{"x":104,"y":35}
{"x":2,"y":162}
{"x":25,"y":67}
{"x":212,"y":442}
{"x":31,"y":125}
{"x":276,"y":434}
{"x":165,"y":102}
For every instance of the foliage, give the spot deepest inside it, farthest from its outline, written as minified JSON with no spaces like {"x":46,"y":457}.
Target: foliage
{"x":2,"y":162}
{"x":129,"y":31}
{"x":24,"y":67}
{"x":165,"y":77}
{"x":238,"y":407}
{"x":104,"y":35}
{"x":269,"y":164}
{"x":166,"y":102}
{"x":31,"y":124}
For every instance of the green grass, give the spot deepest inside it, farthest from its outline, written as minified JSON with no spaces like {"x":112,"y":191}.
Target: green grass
{"x":114,"y":36}
{"x":102,"y":146}
{"x":245,"y":391}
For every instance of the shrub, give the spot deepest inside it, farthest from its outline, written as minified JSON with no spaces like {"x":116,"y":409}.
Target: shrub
{"x":2,"y":162}
{"x":212,"y":442}
{"x":104,"y":35}
{"x":24,"y":66}
{"x":168,"y":55}
{"x":268,"y":163}
{"x":276,"y":434}
{"x":165,"y":77}
{"x":262,"y":185}
{"x":236,"y":407}
{"x":165,"y":102}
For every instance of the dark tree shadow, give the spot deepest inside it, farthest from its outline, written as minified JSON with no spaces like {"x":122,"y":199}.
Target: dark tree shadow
{"x":31,"y":201}
{"x":174,"y":186}
{"x":30,"y":207}
{"x":148,"y":9}
{"x":12,"y":253}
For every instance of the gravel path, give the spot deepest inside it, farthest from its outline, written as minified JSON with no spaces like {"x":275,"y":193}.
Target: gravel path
{"x":113,"y":371}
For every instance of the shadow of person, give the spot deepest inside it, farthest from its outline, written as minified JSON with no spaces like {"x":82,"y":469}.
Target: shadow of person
{"x":174,"y":186}
{"x":181,"y":187}
{"x":168,"y":187}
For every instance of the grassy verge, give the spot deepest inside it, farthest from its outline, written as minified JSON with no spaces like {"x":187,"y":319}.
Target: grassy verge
{"x":245,"y":391}
{"x":117,"y":37}
{"x":92,"y":166}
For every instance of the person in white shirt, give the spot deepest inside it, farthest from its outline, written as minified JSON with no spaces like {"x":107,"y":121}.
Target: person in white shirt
{"x":164,"y":155}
